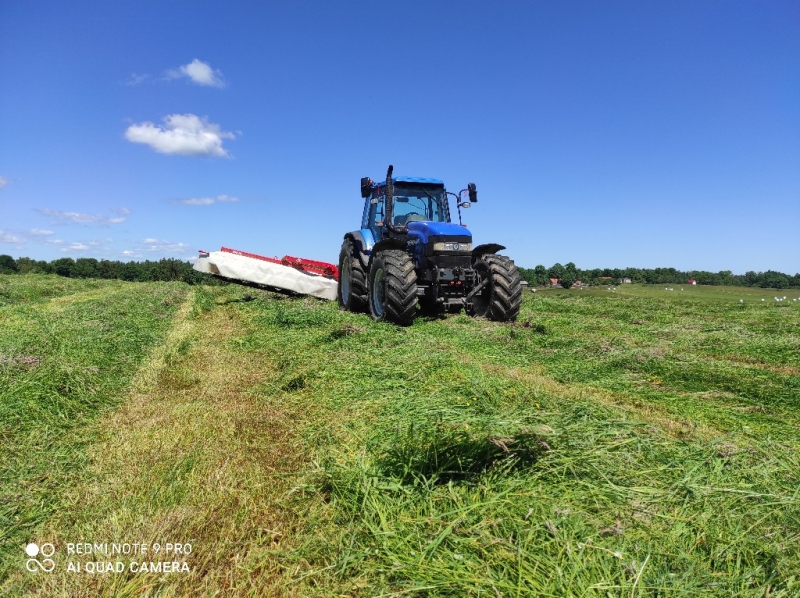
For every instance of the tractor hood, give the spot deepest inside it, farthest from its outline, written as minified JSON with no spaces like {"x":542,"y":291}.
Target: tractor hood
{"x":423,"y":230}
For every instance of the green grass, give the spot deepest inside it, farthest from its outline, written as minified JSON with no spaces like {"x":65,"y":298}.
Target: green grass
{"x":67,"y":353}
{"x":606,"y":444}
{"x":610,"y":443}
{"x":38,"y":288}
{"x":687,"y":292}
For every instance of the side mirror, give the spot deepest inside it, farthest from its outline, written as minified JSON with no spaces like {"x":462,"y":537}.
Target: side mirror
{"x":473,"y":192}
{"x":366,"y":187}
{"x":465,"y":204}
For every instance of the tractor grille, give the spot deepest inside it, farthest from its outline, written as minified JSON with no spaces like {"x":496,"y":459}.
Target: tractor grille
{"x":451,"y":260}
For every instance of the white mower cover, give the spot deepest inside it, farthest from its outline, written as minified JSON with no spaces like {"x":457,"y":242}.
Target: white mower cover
{"x":240,"y":267}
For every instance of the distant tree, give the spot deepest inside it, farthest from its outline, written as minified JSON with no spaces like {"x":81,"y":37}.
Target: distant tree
{"x":592,"y":276}
{"x":147,"y":271}
{"x":769,"y":279}
{"x":63,"y":266}
{"x":634,"y":274}
{"x":7,"y":265}
{"x":774,"y":280}
{"x":108,"y":269}
{"x":540,"y":276}
{"x":725,"y":277}
{"x":26,"y":265}
{"x":128,"y":271}
{"x":667,"y":276}
{"x":567,"y":280}
{"x":85,"y":267}
{"x":526,"y":275}
{"x":170,"y":269}
{"x":556,"y":271}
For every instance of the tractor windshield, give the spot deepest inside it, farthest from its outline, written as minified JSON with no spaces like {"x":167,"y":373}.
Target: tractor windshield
{"x":417,"y":203}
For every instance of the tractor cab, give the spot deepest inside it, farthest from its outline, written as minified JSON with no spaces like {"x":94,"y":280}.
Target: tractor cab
{"x":413,"y":200}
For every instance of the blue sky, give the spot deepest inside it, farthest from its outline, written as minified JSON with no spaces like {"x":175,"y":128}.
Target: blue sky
{"x":609,"y":134}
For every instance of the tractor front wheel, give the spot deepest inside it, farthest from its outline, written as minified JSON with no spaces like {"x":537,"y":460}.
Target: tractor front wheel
{"x":352,"y":291}
{"x":393,"y":287}
{"x":501,"y":296}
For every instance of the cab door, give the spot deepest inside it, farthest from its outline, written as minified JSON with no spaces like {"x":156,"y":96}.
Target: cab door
{"x":374,"y":212}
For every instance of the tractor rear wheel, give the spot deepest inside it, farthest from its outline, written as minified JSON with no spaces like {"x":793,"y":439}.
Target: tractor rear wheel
{"x":501,"y":297}
{"x":352,"y":291}
{"x":393,"y":287}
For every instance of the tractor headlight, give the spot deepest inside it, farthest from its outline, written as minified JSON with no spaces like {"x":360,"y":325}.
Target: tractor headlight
{"x":452,"y":246}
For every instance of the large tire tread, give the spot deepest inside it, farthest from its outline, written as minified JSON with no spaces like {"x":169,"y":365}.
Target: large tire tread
{"x":505,"y":293}
{"x":401,"y":287}
{"x":357,"y":301}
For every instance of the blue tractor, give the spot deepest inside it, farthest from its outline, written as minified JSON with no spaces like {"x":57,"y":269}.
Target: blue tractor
{"x":409,"y":252}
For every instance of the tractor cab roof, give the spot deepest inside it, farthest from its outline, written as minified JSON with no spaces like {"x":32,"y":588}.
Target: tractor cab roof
{"x":409,"y":179}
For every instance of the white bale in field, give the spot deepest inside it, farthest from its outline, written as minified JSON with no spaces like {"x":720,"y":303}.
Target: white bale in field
{"x":248,"y":269}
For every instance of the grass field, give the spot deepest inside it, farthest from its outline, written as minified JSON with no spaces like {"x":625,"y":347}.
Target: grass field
{"x":637,"y":442}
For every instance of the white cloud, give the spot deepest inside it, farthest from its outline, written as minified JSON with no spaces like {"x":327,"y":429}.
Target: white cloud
{"x":41,"y":232}
{"x":75,"y":247}
{"x":7,"y":238}
{"x":151,"y":245}
{"x":61,"y":217}
{"x":137,"y":79}
{"x":185,"y":134}
{"x":3,"y":182}
{"x":55,"y":242}
{"x":207,"y":201}
{"x":200,"y":73}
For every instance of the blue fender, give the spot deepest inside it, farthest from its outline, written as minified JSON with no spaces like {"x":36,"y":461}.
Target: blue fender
{"x":363,"y":243}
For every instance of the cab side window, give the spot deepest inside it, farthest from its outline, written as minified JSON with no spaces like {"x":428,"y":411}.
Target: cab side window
{"x":376,"y":213}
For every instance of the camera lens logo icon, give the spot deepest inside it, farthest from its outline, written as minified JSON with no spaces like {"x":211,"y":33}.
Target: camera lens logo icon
{"x":46,"y":550}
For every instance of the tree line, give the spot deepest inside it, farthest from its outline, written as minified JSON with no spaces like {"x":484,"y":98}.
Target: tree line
{"x":167,"y":269}
{"x":570,"y":274}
